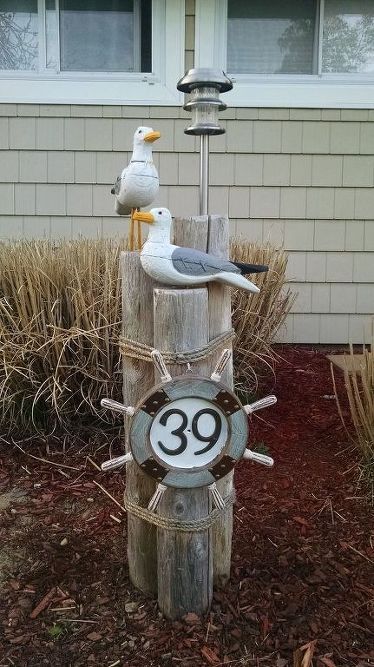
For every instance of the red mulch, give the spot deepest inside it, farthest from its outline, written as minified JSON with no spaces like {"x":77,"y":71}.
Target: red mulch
{"x":302,"y":557}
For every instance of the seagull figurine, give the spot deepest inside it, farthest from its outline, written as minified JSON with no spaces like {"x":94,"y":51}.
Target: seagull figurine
{"x":174,"y":265}
{"x":138,"y":184}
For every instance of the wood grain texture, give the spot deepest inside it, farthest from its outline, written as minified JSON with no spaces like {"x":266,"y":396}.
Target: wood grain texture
{"x":191,"y":232}
{"x":138,"y":378}
{"x":185,"y":573}
{"x":220,"y":321}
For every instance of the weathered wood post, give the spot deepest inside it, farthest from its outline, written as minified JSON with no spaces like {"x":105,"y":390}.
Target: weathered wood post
{"x":189,"y":431}
{"x":138,"y":377}
{"x":219,"y":322}
{"x":211,"y":234}
{"x":185,"y":577}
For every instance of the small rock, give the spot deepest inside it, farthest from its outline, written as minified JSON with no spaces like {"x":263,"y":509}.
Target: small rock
{"x":94,"y":636}
{"x":63,"y":542}
{"x":131,"y":607}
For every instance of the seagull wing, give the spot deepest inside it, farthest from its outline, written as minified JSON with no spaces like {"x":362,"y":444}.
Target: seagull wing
{"x":116,"y":186}
{"x":192,"y":262}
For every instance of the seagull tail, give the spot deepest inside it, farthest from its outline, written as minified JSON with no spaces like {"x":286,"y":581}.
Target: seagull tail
{"x":245,"y":269}
{"x":121,"y":209}
{"x":236,"y":280}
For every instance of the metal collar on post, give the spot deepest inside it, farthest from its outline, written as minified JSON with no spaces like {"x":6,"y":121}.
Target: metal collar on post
{"x":204,"y":86}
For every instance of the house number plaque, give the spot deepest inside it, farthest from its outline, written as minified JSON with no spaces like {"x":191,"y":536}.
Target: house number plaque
{"x":188,"y":432}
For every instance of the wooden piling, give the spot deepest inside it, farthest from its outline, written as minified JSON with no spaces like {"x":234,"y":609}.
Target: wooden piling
{"x":219,"y":322}
{"x":185,"y":575}
{"x":211,"y":234}
{"x":138,"y":377}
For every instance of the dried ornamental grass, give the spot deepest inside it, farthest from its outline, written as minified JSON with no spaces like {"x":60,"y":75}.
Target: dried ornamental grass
{"x":359,"y":386}
{"x":257,"y":317}
{"x":60,"y":312}
{"x":59,"y":329}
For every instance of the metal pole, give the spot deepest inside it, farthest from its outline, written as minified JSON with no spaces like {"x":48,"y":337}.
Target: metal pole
{"x":204,"y":174}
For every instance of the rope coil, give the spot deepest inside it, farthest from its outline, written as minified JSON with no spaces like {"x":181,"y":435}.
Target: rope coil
{"x":142,"y":352}
{"x":197,"y":525}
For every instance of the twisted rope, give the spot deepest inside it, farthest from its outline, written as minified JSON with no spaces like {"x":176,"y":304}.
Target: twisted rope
{"x":166,"y":523}
{"x":142,"y":352}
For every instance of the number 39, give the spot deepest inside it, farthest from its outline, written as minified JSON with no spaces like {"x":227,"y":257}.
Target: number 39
{"x":180,"y":431}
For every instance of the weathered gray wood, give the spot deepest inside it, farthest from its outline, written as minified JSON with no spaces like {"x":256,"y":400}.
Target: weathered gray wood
{"x":220,"y":321}
{"x":138,"y":378}
{"x":191,"y":232}
{"x":185,"y":577}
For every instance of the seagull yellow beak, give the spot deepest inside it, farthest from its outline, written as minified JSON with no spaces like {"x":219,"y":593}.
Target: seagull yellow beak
{"x":152,"y":136}
{"x":143,"y":216}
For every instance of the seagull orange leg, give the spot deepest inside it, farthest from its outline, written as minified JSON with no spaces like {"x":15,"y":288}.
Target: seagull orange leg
{"x":139,"y":234}
{"x":131,"y":234}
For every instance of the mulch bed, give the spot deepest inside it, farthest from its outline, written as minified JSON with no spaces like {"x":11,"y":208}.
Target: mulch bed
{"x":301,"y":590}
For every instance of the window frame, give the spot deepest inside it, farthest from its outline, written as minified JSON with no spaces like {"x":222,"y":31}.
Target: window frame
{"x":276,"y":90}
{"x":112,"y":88}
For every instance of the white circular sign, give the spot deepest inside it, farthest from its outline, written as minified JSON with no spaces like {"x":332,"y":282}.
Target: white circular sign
{"x":188,"y":433}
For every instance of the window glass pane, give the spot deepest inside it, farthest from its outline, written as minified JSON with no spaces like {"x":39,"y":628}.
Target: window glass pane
{"x":146,"y":35}
{"x":18,"y":34}
{"x":348,"y":36}
{"x":99,"y":35}
{"x":51,"y":34}
{"x":271,"y":36}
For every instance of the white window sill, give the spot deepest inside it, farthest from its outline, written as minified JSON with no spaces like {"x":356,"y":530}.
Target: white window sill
{"x":112,"y":89}
{"x":308,"y":92}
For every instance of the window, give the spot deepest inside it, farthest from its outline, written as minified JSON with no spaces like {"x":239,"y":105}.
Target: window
{"x":348,"y":36}
{"x":291,"y":53}
{"x":271,"y":37}
{"x":51,"y":49}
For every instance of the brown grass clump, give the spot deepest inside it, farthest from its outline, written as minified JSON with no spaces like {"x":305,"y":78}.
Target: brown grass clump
{"x":59,"y":328}
{"x":257,"y":317}
{"x":359,"y":386}
{"x":60,"y":312}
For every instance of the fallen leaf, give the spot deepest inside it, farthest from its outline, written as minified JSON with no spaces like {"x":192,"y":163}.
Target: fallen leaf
{"x":326,"y":661}
{"x":210,"y":656}
{"x":191,"y":618}
{"x":44,"y":603}
{"x":302,"y":659}
{"x":281,"y":662}
{"x":301,"y":521}
{"x":237,"y":633}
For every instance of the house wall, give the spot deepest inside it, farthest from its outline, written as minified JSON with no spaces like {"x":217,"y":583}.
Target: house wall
{"x":298,"y":177}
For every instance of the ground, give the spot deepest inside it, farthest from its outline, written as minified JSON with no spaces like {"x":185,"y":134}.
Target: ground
{"x":302,"y":563}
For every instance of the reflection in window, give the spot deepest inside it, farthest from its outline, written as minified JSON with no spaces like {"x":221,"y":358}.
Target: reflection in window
{"x":76,"y":35}
{"x":98,"y":36}
{"x":51,"y":35}
{"x":271,"y":37}
{"x":18,"y":35}
{"x":348,"y":36}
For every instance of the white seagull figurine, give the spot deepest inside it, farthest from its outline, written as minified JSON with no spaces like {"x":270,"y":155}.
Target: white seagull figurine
{"x":138,"y":184}
{"x":174,"y":265}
